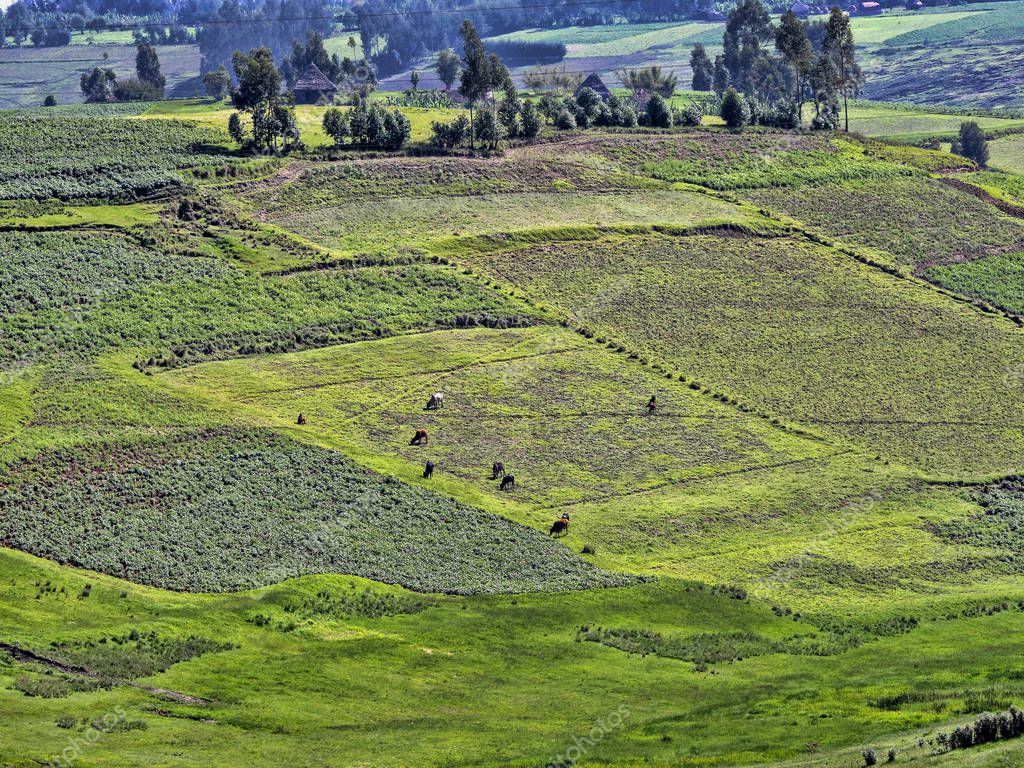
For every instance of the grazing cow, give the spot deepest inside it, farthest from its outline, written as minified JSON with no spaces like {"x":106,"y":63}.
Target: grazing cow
{"x":497,"y":470}
{"x":301,"y":420}
{"x":652,"y":405}
{"x":559,"y":527}
{"x":436,"y":401}
{"x":508,"y":483}
{"x":428,"y":470}
{"x":420,"y":438}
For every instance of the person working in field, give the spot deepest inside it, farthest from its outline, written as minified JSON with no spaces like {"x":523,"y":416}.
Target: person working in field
{"x":652,"y":405}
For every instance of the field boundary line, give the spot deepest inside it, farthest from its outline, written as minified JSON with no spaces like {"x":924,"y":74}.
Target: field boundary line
{"x":694,"y":480}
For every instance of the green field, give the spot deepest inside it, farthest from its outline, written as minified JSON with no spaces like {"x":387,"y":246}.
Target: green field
{"x":811,"y":547}
{"x":28,"y":75}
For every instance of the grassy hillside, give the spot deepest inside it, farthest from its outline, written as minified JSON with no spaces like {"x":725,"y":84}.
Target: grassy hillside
{"x":808,"y":550}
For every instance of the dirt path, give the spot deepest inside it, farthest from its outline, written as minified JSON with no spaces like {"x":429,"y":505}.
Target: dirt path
{"x":31,"y":657}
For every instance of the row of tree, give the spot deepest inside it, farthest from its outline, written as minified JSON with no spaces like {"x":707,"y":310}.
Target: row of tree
{"x":777,"y":68}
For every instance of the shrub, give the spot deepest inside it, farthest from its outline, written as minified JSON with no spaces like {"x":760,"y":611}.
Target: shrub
{"x":217,"y":83}
{"x":870,"y":758}
{"x":489,"y":129}
{"x":658,"y":113}
{"x":735,"y":111}
{"x":692,"y":114}
{"x":529,"y":120}
{"x":50,"y":101}
{"x":66,"y":721}
{"x":890,"y":756}
{"x":449,"y":135}
{"x":134,"y":89}
{"x":565,"y":120}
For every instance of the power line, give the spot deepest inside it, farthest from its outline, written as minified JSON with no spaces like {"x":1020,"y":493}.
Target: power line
{"x":338,"y":18}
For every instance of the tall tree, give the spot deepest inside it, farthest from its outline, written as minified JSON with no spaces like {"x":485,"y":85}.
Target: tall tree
{"x":720,"y":76}
{"x":792,"y":42}
{"x":447,"y":67}
{"x":971,"y":143}
{"x":703,"y":69}
{"x":259,"y":94}
{"x":147,"y":67}
{"x":747,"y":31}
{"x":839,"y":49}
{"x":480,"y":73}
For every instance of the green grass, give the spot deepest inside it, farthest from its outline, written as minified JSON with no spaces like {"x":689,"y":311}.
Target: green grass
{"x":545,"y":403}
{"x":84,"y":216}
{"x":1007,"y":154}
{"x":919,"y":221}
{"x":488,"y":661}
{"x":998,"y":279}
{"x":807,"y":334}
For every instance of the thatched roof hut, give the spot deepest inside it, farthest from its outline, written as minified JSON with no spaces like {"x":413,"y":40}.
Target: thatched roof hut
{"x":313,"y":87}
{"x":596,"y":84}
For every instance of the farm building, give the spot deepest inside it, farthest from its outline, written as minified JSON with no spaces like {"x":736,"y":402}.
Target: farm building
{"x":595,"y":83}
{"x":870,"y":8}
{"x":313,"y":87}
{"x":800,"y":9}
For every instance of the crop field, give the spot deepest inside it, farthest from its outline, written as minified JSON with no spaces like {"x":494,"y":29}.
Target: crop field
{"x":416,"y":202}
{"x":28,"y":75}
{"x":998,"y":279}
{"x":1007,"y":154}
{"x":130,"y":510}
{"x":901,"y":122}
{"x":810,"y":548}
{"x":546,"y":404}
{"x":808,"y":335}
{"x":64,"y":157}
{"x":919,"y":221}
{"x":202,"y":307}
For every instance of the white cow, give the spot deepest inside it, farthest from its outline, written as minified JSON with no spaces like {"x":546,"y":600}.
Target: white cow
{"x":436,"y":401}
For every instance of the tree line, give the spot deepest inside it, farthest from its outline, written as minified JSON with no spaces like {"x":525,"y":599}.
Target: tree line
{"x":778,"y":68}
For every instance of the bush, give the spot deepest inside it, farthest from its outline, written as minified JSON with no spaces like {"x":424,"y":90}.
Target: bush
{"x":529,"y":120}
{"x":66,"y":721}
{"x":658,"y":113}
{"x":368,"y":125}
{"x":134,"y":89}
{"x":826,"y":119}
{"x":870,"y":758}
{"x":50,"y":101}
{"x":489,"y":129}
{"x":890,"y":756}
{"x":217,"y":83}
{"x":565,"y":120}
{"x":735,"y":111}
{"x":692,"y":114}
{"x":449,"y":135}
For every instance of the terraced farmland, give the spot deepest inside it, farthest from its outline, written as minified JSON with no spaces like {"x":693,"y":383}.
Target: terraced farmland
{"x":807,"y":335}
{"x":567,"y":418}
{"x":808,"y":552}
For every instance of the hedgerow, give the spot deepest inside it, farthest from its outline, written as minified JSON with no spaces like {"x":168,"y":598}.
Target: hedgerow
{"x":230,"y":509}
